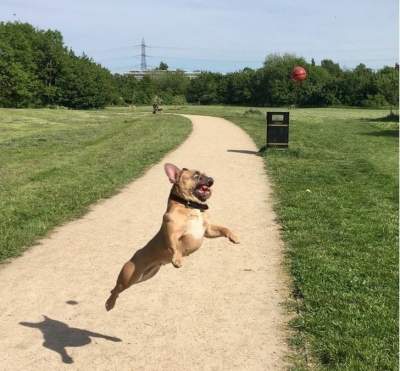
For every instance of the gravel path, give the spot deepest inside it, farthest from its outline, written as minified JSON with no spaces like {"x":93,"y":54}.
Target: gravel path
{"x":221,"y":311}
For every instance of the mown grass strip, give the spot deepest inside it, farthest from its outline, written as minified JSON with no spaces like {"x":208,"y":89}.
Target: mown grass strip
{"x":54,"y":163}
{"x":337,"y":194}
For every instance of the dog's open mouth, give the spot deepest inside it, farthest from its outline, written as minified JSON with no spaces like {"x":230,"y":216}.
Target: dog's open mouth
{"x":202,"y":192}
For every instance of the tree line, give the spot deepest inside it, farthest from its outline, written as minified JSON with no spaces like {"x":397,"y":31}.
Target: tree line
{"x":271,"y":85}
{"x":38,"y":70}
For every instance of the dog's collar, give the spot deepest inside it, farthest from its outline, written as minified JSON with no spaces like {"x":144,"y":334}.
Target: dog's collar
{"x":187,"y":203}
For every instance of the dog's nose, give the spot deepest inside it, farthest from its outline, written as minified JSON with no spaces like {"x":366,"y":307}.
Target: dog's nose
{"x":210,"y":181}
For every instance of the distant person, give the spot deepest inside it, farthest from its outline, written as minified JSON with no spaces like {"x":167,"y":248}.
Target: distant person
{"x":156,"y":104}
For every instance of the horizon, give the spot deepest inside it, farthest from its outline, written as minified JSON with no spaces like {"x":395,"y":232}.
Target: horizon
{"x":223,"y":37}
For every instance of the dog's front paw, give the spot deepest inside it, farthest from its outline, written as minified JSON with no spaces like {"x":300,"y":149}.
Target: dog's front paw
{"x":233,"y":238}
{"x":177,"y":262}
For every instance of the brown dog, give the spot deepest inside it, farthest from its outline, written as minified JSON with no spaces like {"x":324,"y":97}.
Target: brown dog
{"x":184,"y":225}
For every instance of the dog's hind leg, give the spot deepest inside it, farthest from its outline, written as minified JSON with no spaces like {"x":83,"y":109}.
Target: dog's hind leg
{"x":149,"y":273}
{"x":128,"y":276}
{"x":132,"y":272}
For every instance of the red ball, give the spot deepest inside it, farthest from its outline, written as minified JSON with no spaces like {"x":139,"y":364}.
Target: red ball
{"x":299,"y":73}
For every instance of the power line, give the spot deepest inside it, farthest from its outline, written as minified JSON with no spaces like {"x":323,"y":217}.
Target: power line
{"x":351,"y":49}
{"x":208,"y":59}
{"x":144,"y":56}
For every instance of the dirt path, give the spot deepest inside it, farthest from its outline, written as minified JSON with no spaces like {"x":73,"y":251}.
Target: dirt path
{"x":221,"y":311}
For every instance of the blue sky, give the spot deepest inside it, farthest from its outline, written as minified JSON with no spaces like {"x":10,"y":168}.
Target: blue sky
{"x":218,"y":35}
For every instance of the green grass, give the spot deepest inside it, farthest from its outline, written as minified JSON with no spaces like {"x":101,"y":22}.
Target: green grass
{"x":337,"y":201}
{"x":54,"y":163}
{"x":336,"y":194}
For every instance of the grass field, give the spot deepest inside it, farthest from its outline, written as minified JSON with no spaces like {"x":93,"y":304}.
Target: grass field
{"x":336,"y":194}
{"x":54,"y":163}
{"x":337,"y":200}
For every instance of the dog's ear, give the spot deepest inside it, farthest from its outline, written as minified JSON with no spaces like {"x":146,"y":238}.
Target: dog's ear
{"x":172,"y":172}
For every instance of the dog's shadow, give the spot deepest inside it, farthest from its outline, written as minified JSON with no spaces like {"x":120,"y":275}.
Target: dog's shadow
{"x":58,"y":335}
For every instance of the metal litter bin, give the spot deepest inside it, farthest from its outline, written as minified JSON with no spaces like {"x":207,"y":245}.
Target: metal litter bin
{"x":277,"y":129}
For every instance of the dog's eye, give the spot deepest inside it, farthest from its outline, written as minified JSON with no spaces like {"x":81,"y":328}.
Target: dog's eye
{"x":196,"y":176}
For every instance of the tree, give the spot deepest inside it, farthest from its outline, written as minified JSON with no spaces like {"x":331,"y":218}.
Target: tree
{"x":237,"y":87}
{"x":18,"y":72}
{"x":281,"y":89}
{"x":36,"y":69}
{"x":16,"y":85}
{"x":388,"y":85}
{"x":317,"y":90}
{"x":127,"y":86}
{"x":205,"y":88}
{"x":85,"y":84}
{"x":163,"y":66}
{"x":50,"y":57}
{"x":333,"y":68}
